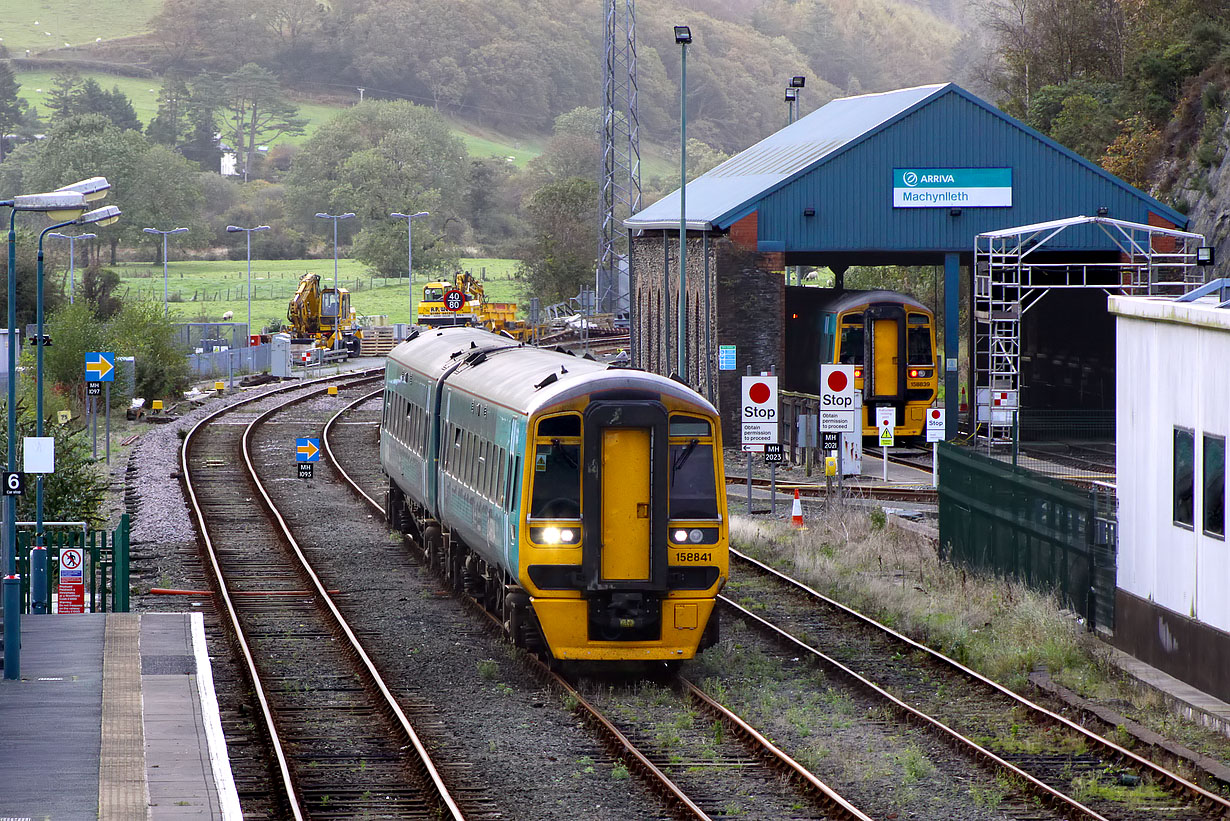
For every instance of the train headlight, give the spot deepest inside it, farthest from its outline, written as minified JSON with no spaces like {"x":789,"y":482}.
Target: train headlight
{"x":681,"y":536}
{"x":695,"y":535}
{"x":567,"y":536}
{"x":551,"y":535}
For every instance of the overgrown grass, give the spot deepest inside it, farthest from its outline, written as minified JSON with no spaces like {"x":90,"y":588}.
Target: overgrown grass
{"x":72,"y":21}
{"x":998,"y":627}
{"x":202,"y":291}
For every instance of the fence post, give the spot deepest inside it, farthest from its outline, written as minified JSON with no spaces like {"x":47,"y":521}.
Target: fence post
{"x":93,"y":548}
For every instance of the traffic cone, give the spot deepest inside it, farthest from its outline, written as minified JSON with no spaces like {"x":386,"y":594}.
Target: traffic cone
{"x":964,"y":402}
{"x":796,"y":512}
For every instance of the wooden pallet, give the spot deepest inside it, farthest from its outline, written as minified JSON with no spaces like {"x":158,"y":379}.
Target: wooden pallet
{"x":377,"y":341}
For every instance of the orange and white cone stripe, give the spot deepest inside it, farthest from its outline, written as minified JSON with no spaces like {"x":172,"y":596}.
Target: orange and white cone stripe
{"x":796,"y":512}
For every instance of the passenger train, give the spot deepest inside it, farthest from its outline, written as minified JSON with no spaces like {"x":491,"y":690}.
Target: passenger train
{"x":888,"y":337}
{"x":584,"y":505}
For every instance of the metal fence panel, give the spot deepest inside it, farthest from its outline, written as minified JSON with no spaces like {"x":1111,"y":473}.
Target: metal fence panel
{"x":1017,"y":523}
{"x":217,"y":364}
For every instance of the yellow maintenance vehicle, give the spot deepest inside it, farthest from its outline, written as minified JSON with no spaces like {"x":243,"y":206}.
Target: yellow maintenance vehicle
{"x":323,"y":317}
{"x":462,"y":302}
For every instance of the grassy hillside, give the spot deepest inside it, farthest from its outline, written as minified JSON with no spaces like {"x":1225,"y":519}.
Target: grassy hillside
{"x":203,"y":291}
{"x":70,"y":21}
{"x":36,"y":87}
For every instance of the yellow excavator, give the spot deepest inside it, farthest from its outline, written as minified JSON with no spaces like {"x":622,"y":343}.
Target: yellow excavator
{"x":323,"y":317}
{"x":434,"y":310}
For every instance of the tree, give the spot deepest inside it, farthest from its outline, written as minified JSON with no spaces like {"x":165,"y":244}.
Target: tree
{"x":153,"y":185}
{"x":378,"y":157}
{"x":64,"y":89}
{"x":10,"y":103}
{"x":561,"y":257}
{"x":170,"y":125}
{"x":200,"y":140}
{"x":256,"y":111}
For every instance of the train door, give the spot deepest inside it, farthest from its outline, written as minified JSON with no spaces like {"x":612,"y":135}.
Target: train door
{"x":625,"y":490}
{"x":885,"y":326}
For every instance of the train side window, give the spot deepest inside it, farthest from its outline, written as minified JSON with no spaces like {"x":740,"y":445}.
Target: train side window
{"x":918,"y":345}
{"x":828,"y":335}
{"x":1184,"y":468}
{"x":851,"y":352}
{"x":1214,"y":473}
{"x":484,"y":485}
{"x":500,"y":487}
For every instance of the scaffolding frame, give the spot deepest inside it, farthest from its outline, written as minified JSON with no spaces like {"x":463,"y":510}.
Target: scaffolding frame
{"x":619,"y":194}
{"x":1010,"y":278}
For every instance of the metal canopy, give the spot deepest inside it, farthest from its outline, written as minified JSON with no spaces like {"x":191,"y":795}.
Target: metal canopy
{"x":1014,"y":270}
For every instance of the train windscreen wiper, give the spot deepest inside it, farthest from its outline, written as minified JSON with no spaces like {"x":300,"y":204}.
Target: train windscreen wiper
{"x":684,"y":455}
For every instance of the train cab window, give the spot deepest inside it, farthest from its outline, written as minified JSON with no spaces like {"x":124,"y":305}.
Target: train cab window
{"x":851,"y":352}
{"x":693,"y":488}
{"x":918,"y":346}
{"x":566,"y":425}
{"x":557,"y":481}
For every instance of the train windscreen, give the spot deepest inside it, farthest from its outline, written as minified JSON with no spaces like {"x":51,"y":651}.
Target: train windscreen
{"x":918,"y":345}
{"x":693,"y":492}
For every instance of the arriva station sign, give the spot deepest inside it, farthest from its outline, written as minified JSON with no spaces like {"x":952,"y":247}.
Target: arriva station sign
{"x":952,"y":187}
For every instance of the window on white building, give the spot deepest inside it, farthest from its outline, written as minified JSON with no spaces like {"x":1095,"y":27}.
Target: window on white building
{"x":1184,"y":477}
{"x":1214,"y":474}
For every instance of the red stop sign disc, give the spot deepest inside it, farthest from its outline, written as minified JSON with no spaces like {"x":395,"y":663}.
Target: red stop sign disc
{"x":758,"y":393}
{"x":837,"y":381}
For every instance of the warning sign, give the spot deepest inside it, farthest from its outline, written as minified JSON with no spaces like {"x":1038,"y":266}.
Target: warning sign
{"x":70,"y":595}
{"x":886,"y":420}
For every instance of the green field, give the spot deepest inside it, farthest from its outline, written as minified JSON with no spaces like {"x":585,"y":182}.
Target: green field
{"x":36,"y":88}
{"x":70,"y":21}
{"x":204,"y":291}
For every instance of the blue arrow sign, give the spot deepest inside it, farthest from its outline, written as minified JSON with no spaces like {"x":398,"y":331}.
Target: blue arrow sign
{"x":307,"y":450}
{"x":100,"y":367}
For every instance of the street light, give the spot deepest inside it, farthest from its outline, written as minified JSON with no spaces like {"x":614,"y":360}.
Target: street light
{"x":166,"y":308}
{"x":683,"y":36}
{"x":72,"y":258}
{"x":796,"y":84}
{"x":65,"y":204}
{"x":792,"y":94}
{"x":234,"y":229}
{"x":335,"y":218}
{"x":409,"y":218}
{"x":106,"y":215}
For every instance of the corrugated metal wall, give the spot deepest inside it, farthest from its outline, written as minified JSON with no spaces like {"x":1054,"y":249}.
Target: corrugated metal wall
{"x":852,"y":193}
{"x":1010,"y":521}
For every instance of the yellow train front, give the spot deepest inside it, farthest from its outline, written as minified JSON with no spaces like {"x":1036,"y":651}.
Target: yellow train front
{"x":888,"y":337}
{"x":583,"y":504}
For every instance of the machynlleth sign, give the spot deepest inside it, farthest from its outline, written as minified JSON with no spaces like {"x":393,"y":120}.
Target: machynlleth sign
{"x":952,"y":187}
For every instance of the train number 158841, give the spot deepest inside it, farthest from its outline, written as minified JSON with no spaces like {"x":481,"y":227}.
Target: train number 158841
{"x":684,"y":556}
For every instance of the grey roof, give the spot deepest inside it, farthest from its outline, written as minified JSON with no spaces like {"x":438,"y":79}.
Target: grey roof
{"x":751,"y":172}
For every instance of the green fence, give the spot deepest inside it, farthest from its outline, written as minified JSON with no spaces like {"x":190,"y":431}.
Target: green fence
{"x":1012,"y":521}
{"x":106,"y":572}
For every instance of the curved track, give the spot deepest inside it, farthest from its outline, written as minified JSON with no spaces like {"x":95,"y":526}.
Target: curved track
{"x":344,"y":748}
{"x":1047,"y":753}
{"x":653,"y":767}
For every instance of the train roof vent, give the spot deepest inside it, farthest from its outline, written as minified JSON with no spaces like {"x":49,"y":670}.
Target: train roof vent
{"x":551,"y":377}
{"x":477,"y":357}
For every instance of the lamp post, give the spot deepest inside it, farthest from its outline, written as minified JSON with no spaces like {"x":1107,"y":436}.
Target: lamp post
{"x":796,"y":84}
{"x":38,"y":562}
{"x":234,"y":229}
{"x":792,"y":94}
{"x":336,"y":320}
{"x":58,"y":205}
{"x":409,"y":218}
{"x":72,"y":258}
{"x":166,"y":308}
{"x":683,"y":36}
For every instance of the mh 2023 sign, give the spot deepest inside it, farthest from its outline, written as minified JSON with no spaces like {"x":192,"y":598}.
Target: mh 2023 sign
{"x":952,"y":187}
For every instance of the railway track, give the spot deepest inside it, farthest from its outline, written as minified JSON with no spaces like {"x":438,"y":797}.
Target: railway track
{"x":756,"y":760}
{"x":342,"y":743}
{"x":925,"y":495}
{"x":1076,"y":772}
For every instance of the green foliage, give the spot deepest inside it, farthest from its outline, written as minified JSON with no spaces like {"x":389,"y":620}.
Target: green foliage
{"x":72,"y":96}
{"x":255,"y":111}
{"x":137,"y":330}
{"x":1084,"y":125}
{"x":377,"y":158}
{"x":10,"y":103}
{"x":560,"y":259}
{"x":75,"y":492}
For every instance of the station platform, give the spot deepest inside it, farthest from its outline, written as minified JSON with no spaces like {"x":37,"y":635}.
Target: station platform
{"x":113,"y":717}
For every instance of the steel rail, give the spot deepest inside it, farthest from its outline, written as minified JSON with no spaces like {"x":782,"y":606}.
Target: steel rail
{"x":897,"y":493}
{"x":374,"y":678}
{"x":1047,"y":793}
{"x":1176,"y":781}
{"x":203,"y":532}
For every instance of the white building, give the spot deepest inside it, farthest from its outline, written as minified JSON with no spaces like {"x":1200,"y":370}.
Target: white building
{"x":1172,"y":603}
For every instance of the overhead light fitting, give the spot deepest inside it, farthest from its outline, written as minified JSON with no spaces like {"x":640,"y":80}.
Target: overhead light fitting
{"x":683,"y":35}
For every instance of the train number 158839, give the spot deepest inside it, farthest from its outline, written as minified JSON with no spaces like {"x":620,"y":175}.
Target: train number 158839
{"x":686,"y":556}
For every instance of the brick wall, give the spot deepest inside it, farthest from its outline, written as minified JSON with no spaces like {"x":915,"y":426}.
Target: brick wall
{"x":746,"y":310}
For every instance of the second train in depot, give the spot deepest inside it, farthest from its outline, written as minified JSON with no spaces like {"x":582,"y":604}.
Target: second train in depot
{"x":889,"y":338}
{"x":584,"y":505}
